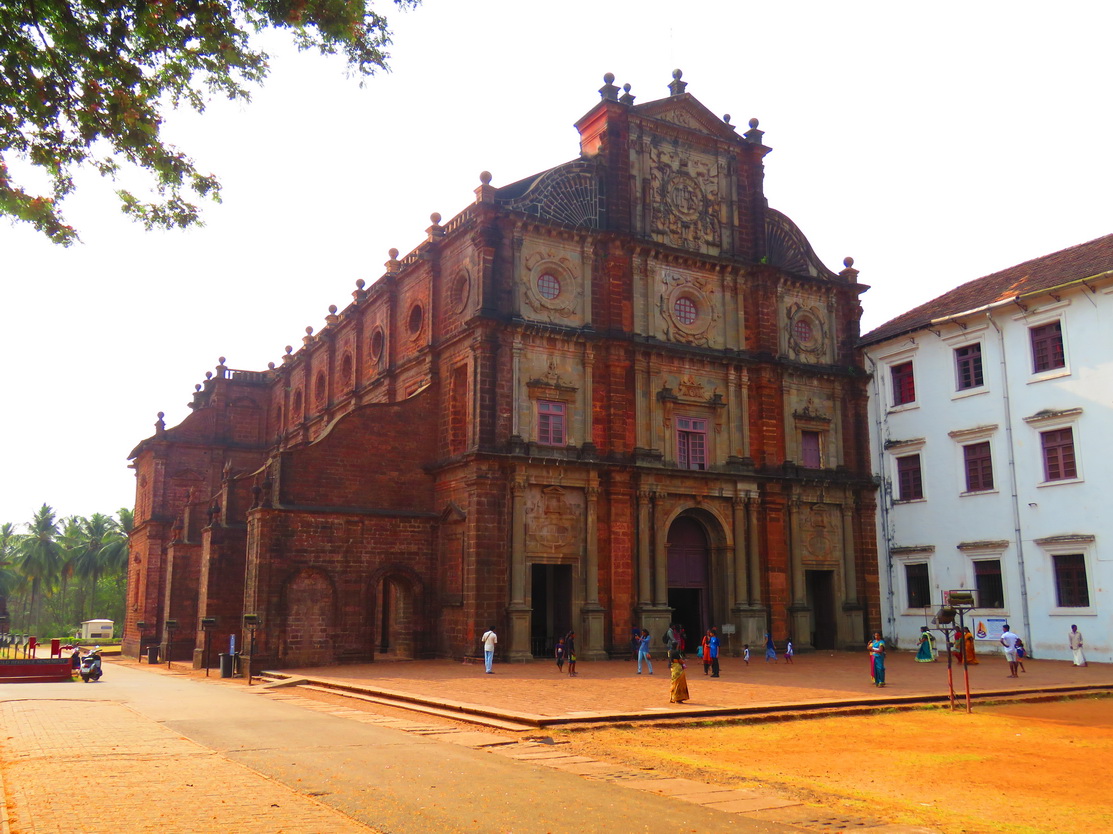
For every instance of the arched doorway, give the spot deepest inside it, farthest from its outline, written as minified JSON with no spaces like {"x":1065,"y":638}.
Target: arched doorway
{"x":689,"y":558}
{"x":394,"y":621}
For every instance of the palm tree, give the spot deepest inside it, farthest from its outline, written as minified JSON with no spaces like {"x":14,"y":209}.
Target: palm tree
{"x":115,"y":553}
{"x":9,"y":579}
{"x":94,"y":534}
{"x":71,"y":541}
{"x":39,"y":555}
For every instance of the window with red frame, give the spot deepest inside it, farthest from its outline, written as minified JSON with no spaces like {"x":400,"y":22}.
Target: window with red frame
{"x":904,"y":384}
{"x":1058,"y":455}
{"x":691,"y":443}
{"x":550,"y":423}
{"x":978,"y":461}
{"x":1047,"y":347}
{"x":910,"y":481}
{"x":810,"y":442}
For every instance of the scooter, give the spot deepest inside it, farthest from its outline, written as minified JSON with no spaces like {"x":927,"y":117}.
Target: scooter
{"x":90,"y":667}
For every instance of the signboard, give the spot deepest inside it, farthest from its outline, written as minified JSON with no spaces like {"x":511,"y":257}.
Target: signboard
{"x":988,"y":628}
{"x":728,"y":628}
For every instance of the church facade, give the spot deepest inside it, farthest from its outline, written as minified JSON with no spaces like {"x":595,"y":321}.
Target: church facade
{"x":621,"y":393}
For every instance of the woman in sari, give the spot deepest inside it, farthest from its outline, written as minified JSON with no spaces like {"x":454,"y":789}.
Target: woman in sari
{"x":770,"y":648}
{"x":968,"y":641}
{"x":678,"y":693}
{"x":705,"y":652}
{"x":926,"y":652}
{"x":877,"y":659}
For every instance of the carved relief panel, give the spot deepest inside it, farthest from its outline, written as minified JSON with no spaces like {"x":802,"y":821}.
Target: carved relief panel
{"x":821,"y":533}
{"x":689,"y":306}
{"x":805,"y":329}
{"x":552,"y":284}
{"x":686,"y":201}
{"x":554,"y":520}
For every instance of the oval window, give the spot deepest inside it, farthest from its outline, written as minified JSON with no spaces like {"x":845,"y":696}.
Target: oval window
{"x":416,"y":314}
{"x":802,"y":330}
{"x":548,"y":285}
{"x":377,"y":344}
{"x":684,"y":309}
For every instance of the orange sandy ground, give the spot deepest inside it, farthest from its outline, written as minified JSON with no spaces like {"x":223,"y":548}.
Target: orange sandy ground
{"x":1036,"y":767}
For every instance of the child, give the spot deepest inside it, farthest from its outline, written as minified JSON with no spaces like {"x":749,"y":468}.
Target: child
{"x":746,"y":654}
{"x":1020,"y":652}
{"x":788,"y":652}
{"x":560,"y":654}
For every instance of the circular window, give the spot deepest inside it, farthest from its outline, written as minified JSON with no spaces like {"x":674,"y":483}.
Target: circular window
{"x":684,"y":309}
{"x":321,"y":389}
{"x":346,"y":369}
{"x":548,"y":285}
{"x":414,"y":323}
{"x":297,"y":404}
{"x":377,"y":343}
{"x":802,"y":331}
{"x":460,"y":291}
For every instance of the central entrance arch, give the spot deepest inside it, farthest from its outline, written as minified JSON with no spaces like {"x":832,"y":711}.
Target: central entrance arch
{"x":689,"y":559}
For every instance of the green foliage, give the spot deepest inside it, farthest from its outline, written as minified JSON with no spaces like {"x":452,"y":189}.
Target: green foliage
{"x":84,"y":83}
{"x":51,"y":579}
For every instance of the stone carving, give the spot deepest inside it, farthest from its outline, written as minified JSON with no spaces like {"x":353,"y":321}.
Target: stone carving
{"x":805,"y":333}
{"x":552,"y":285}
{"x":786,"y":247}
{"x":686,"y":201}
{"x":568,"y":194}
{"x":554,"y":520}
{"x":818,"y":542}
{"x":687,"y":306}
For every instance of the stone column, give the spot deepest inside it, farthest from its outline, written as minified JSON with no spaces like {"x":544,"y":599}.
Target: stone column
{"x":657,"y":615}
{"x":592,"y":642}
{"x":645,"y":564}
{"x":588,"y":440}
{"x":519,"y":613}
{"x":851,"y":627}
{"x":799,"y":613}
{"x":750,"y":612}
{"x":515,"y":383}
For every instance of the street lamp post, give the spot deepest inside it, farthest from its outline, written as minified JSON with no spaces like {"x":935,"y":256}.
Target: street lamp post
{"x":171,"y":627}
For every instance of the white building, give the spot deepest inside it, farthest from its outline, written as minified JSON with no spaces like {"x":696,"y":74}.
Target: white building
{"x":992,"y":432}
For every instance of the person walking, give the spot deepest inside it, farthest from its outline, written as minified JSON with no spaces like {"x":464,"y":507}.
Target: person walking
{"x":635,"y":642}
{"x":789,"y":652}
{"x":705,"y":652}
{"x":926,"y":652}
{"x":968,"y":643}
{"x":1021,"y":652}
{"x":678,"y":689}
{"x":1009,"y":641}
{"x":560,"y":655}
{"x":1075,"y":640}
{"x":489,"y":640}
{"x":770,"y":648}
{"x":713,"y":646}
{"x":643,"y":651}
{"x":570,"y":651}
{"x":746,"y":654}
{"x":877,"y":659}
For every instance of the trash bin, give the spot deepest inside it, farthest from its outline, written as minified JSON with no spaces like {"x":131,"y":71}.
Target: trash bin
{"x":152,"y":654}
{"x":226,"y":664}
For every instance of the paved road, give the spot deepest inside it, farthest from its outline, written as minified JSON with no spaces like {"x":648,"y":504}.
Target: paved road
{"x":167,"y":753}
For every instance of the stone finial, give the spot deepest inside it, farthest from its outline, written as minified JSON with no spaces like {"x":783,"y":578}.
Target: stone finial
{"x":436,"y":230}
{"x":753,"y":135}
{"x":160,"y":424}
{"x":850,"y":274}
{"x":270,"y":366}
{"x":608,"y":92}
{"x":676,"y":87}
{"x":197,"y":387}
{"x":393,"y":265}
{"x":486,"y":192}
{"x":626,"y":98}
{"x":359,"y":291}
{"x":332,"y":318}
{"x":289,"y":355}
{"x":208,"y":374}
{"x":307,"y":339}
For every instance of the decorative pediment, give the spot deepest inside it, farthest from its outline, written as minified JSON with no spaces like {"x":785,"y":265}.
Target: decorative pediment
{"x":686,"y":111}
{"x":453,"y":514}
{"x":786,"y":247}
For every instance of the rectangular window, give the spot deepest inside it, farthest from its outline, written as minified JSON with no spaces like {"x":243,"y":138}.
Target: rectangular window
{"x":810,"y":449}
{"x":904,"y":384}
{"x":691,"y":443}
{"x":910,"y":482}
{"x":916,"y":578}
{"x":1070,"y":580}
{"x":550,"y":423}
{"x":1058,"y":455}
{"x":1047,"y":347}
{"x":979,"y":467}
{"x":987,"y":579}
{"x":968,"y":366}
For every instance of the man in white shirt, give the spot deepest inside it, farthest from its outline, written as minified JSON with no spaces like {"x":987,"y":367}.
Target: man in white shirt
{"x":489,"y":639}
{"x":1008,"y":640}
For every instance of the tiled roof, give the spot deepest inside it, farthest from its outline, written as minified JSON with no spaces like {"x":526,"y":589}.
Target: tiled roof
{"x":1082,"y":261}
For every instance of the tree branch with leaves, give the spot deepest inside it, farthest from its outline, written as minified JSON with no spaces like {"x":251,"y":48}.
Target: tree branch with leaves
{"x":85,"y":84}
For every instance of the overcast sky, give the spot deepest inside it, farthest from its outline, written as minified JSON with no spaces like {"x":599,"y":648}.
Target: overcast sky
{"x":934,"y":143}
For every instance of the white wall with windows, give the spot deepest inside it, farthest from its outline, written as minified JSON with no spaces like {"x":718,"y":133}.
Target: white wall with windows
{"x":992,"y":437}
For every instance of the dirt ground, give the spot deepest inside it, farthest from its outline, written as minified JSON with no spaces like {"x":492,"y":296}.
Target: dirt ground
{"x":1017,"y":768}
